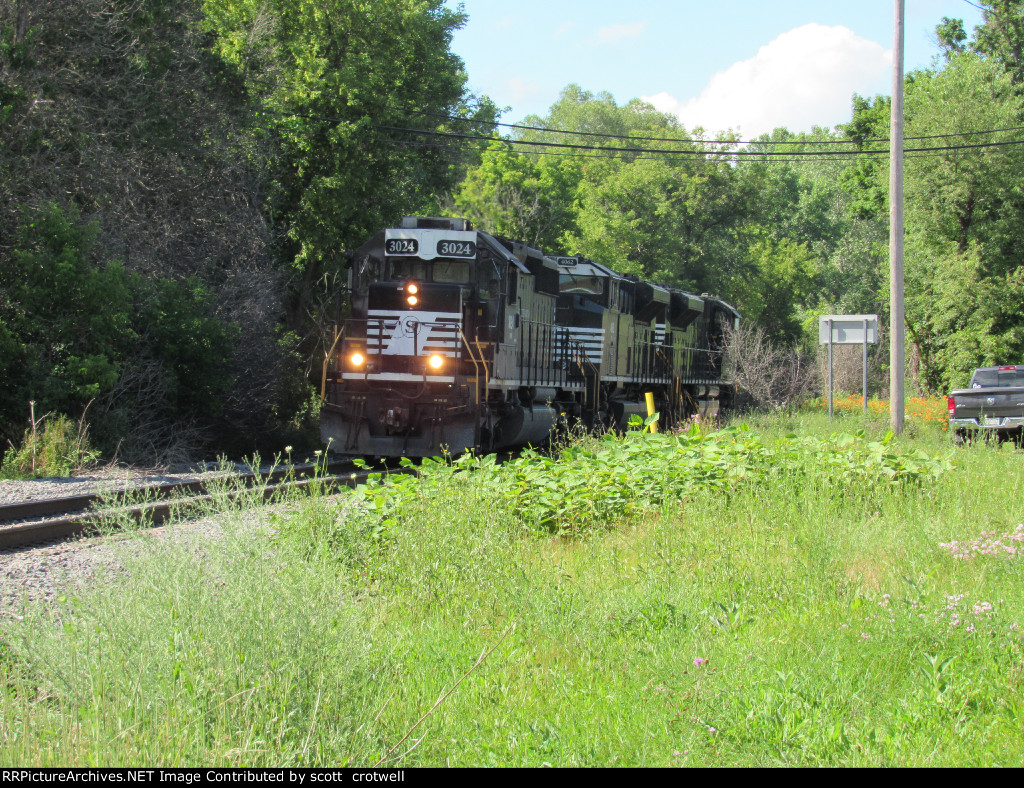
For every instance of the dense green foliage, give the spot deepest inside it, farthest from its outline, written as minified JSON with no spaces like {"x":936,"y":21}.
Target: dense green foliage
{"x":212,"y":161}
{"x":52,"y":447}
{"x":73,"y":326}
{"x":197,"y":168}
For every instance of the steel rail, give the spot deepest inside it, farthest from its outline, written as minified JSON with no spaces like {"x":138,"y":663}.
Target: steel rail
{"x":30,"y":510}
{"x":162,"y":503}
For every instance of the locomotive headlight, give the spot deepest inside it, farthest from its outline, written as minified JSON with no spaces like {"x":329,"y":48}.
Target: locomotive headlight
{"x":413,"y":300}
{"x":357,"y":359}
{"x":436,"y":362}
{"x":412,"y":289}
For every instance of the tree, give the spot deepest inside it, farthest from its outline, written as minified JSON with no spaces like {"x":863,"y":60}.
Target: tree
{"x":1001,"y":36}
{"x":966,"y":194}
{"x":66,"y":321}
{"x":123,"y":116}
{"x":669,"y":220}
{"x":335,"y":81}
{"x":951,"y":37}
{"x":74,"y":329}
{"x":580,"y":114}
{"x":781,"y":279}
{"x":965,"y":212}
{"x":529,"y":198}
{"x":810,"y":241}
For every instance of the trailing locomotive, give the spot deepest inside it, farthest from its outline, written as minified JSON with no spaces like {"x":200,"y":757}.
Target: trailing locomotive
{"x":462,"y":340}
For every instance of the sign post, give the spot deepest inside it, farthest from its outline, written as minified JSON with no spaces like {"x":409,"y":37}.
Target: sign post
{"x":847,"y":330}
{"x":829,"y":321}
{"x":865,"y":366}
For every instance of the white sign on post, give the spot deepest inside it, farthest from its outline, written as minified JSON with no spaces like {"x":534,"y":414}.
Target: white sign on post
{"x":848,"y":330}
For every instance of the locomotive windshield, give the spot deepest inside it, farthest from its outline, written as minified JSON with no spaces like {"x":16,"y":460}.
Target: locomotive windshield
{"x":365,"y":271}
{"x":581,"y":285}
{"x":452,"y":271}
{"x":440,"y":270}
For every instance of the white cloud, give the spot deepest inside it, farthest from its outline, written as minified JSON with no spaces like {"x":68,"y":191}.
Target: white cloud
{"x":614,"y":34}
{"x":564,"y":28}
{"x":805,"y":77}
{"x":520,"y":89}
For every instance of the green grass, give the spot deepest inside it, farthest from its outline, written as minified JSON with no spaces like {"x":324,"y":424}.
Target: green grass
{"x":822,"y":602}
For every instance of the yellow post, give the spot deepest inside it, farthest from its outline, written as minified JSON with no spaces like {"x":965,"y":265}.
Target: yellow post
{"x":649,"y":396}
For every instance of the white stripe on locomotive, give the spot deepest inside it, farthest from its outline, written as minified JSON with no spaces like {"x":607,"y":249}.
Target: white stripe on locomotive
{"x":589,"y":340}
{"x":391,"y":333}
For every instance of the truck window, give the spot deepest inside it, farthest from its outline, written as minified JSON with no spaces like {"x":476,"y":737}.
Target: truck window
{"x":998,"y":378}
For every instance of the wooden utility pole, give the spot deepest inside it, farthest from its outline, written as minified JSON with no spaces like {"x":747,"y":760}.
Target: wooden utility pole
{"x":897,"y":341}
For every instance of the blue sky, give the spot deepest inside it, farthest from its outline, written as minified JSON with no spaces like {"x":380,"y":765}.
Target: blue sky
{"x":745,"y":65}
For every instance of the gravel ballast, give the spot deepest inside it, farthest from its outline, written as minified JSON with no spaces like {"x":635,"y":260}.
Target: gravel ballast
{"x":39,"y":574}
{"x":112,"y":481}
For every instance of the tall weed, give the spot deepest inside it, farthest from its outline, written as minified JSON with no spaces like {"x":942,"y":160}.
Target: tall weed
{"x":60,"y":448}
{"x":195,"y":651}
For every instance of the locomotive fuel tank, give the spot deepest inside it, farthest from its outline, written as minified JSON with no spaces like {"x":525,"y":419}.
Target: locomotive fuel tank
{"x":526,"y":425}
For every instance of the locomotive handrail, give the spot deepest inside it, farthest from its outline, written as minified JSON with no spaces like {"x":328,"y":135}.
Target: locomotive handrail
{"x":661,"y":363}
{"x":327,"y":360}
{"x":538,"y":341}
{"x":483,"y":362}
{"x":581,"y":358}
{"x":475,"y":366}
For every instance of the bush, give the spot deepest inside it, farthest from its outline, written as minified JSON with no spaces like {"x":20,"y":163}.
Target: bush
{"x":772,"y":378}
{"x":598,"y":482}
{"x":58,"y":449}
{"x":151,"y":352}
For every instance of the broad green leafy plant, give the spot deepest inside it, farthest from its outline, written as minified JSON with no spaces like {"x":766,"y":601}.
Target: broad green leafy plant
{"x":598,"y":482}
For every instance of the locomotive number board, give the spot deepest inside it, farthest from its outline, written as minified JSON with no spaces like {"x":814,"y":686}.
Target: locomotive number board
{"x":430,"y":243}
{"x":398,"y":246}
{"x":456,"y":249}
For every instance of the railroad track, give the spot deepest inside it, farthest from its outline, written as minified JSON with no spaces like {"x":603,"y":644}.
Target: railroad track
{"x":23,"y":524}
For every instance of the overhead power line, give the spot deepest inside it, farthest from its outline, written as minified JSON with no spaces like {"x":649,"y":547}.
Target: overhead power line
{"x":634,"y":138}
{"x":840,"y":154}
{"x":687,"y":152}
{"x":654,"y":155}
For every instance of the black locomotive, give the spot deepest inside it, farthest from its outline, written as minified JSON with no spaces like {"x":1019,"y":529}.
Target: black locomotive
{"x":463,"y":340}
